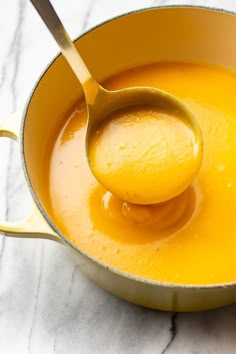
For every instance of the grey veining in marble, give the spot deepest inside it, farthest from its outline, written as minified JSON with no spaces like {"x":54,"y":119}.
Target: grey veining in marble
{"x":46,"y":304}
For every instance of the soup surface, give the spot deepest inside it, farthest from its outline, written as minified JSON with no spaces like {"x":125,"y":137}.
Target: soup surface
{"x":190,"y":239}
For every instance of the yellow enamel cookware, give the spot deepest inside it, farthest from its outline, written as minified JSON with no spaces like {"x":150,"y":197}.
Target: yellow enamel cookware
{"x":159,"y":34}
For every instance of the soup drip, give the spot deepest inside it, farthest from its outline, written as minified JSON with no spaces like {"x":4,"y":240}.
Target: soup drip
{"x":164,"y":218}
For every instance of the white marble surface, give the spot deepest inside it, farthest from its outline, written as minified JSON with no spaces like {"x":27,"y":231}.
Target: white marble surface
{"x":46,"y":304}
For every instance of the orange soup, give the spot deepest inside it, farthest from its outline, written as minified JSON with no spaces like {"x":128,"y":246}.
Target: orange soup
{"x":190,"y":239}
{"x":144,"y":155}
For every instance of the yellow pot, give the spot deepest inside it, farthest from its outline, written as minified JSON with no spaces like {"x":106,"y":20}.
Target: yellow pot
{"x":158,"y":34}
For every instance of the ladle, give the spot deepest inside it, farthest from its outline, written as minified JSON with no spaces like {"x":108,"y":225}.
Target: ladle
{"x":101,"y":102}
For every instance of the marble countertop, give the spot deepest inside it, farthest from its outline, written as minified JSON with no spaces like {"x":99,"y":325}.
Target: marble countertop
{"x":46,"y":304}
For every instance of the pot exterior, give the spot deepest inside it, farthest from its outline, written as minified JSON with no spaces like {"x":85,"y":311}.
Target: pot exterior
{"x":153,"y":295}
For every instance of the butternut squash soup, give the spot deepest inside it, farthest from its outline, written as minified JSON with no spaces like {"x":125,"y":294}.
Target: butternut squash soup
{"x":189,"y":239}
{"x":135,"y":150}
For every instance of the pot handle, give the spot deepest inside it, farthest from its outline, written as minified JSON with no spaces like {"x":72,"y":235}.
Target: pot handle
{"x":34,"y":226}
